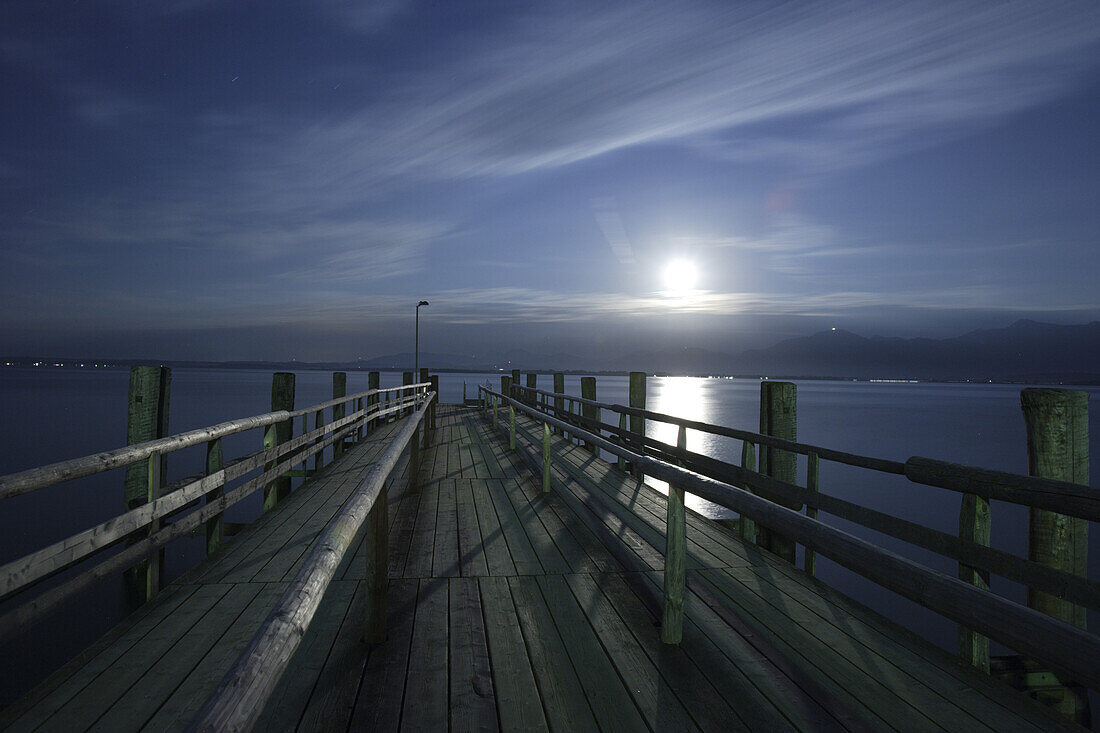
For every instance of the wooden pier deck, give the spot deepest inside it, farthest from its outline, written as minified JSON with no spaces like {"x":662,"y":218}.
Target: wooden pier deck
{"x":512,"y":609}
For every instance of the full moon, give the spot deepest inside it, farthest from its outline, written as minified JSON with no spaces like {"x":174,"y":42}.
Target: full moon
{"x":680,"y":276}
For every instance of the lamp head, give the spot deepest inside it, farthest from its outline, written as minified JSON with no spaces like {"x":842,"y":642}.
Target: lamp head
{"x":423,"y":302}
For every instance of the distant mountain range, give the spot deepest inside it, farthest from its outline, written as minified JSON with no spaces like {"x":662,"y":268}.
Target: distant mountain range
{"x":1026,"y":351}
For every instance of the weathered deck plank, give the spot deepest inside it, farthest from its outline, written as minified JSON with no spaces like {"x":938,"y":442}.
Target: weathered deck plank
{"x":510,"y":609}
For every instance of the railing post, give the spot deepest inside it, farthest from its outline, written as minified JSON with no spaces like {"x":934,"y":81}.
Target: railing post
{"x":496,"y":422}
{"x":545,"y":458}
{"x":153,"y":569}
{"x":406,"y":380}
{"x":813,"y":468}
{"x":505,"y":385}
{"x":559,"y":402}
{"x":359,"y":430}
{"x":589,"y":412}
{"x":532,"y":383}
{"x":778,"y":418}
{"x":974,"y":526}
{"x":372,"y":400}
{"x":414,"y":459}
{"x":672,"y":623}
{"x":748,"y":462}
{"x":319,"y":456}
{"x":637,"y":422}
{"x":282,"y":398}
{"x":377,"y":545}
{"x":624,"y":424}
{"x":515,"y":382}
{"x":214,"y":527}
{"x":339,"y":389}
{"x":146,"y":419}
{"x":511,"y":427}
{"x":434,"y":379}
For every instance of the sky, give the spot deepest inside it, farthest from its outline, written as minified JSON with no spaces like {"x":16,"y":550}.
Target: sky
{"x":241,"y":180}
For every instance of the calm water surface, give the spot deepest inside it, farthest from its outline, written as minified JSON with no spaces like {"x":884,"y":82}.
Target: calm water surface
{"x":54,"y":414}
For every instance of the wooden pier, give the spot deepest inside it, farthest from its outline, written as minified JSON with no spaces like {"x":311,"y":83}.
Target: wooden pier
{"x":513,"y":607}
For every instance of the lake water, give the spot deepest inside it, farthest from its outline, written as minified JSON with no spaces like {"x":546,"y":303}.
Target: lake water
{"x":57,"y":413}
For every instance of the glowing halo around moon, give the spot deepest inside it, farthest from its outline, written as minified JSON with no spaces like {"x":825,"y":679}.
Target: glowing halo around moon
{"x":679,"y":278}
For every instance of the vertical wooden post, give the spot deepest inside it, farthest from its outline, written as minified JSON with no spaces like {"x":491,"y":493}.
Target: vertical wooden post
{"x":414,"y":460}
{"x":778,"y":417}
{"x":532,"y":383}
{"x":559,"y":402}
{"x":545,"y":458}
{"x":406,"y":380}
{"x":146,"y":419}
{"x":624,"y":425}
{"x":589,"y":412}
{"x":515,"y":382}
{"x":423,"y":375}
{"x":282,"y":398}
{"x":1057,"y":448}
{"x":974,"y":526}
{"x":214,"y":528}
{"x":813,"y":469}
{"x":637,"y":422}
{"x":505,"y":385}
{"x":748,"y":462}
{"x":377,"y":545}
{"x":339,"y":389}
{"x":372,"y":400}
{"x":511,"y":427}
{"x":496,"y":402}
{"x":434,"y":379}
{"x":153,"y":569}
{"x":319,"y":456}
{"x":672,"y":623}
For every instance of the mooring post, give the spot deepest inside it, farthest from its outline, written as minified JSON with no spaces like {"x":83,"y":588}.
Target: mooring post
{"x":406,"y":380}
{"x":559,"y":402}
{"x":637,"y":422}
{"x":545,"y":458}
{"x":376,"y":542}
{"x":372,"y":400}
{"x":590,"y":413}
{"x":282,"y":398}
{"x":672,"y":623}
{"x":146,"y":419}
{"x":214,"y":528}
{"x":778,"y":418}
{"x":339,"y":389}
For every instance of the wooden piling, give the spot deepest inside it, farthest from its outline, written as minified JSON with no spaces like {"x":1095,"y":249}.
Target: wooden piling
{"x":1058,"y":448}
{"x":748,"y":462}
{"x":414,"y":458}
{"x":515,"y":382}
{"x":339,"y":389}
{"x":406,"y":380}
{"x":282,"y":398}
{"x":423,"y":375}
{"x":813,"y":470}
{"x":505,"y":385}
{"x":434,"y":379}
{"x":672,"y":622}
{"x":624,"y":425}
{"x":778,"y":418}
{"x":511,"y":427}
{"x":496,"y":420}
{"x":532,"y":383}
{"x":152,"y":493}
{"x":146,"y":419}
{"x":559,"y":402}
{"x":590,"y":413}
{"x":637,"y":422}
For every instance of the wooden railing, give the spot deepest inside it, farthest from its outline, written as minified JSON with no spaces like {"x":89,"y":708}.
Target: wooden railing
{"x":1066,"y":648}
{"x":191,"y":505}
{"x":241,"y":695}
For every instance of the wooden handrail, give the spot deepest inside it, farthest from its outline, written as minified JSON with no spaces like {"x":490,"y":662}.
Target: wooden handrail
{"x":239,"y":698}
{"x":1077,"y":500}
{"x":32,"y":479}
{"x":1064,"y":647}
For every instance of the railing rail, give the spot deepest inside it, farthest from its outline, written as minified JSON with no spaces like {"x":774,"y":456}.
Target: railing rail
{"x":244,"y":690}
{"x":275,"y":460}
{"x":1066,"y":648}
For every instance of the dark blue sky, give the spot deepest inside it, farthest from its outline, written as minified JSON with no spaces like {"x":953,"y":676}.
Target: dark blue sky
{"x":209,"y":180}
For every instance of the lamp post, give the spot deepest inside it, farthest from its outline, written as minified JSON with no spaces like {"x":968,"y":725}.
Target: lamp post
{"x":416,"y":373}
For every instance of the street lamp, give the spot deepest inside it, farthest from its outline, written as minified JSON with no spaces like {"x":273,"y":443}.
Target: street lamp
{"x":416,"y":374}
